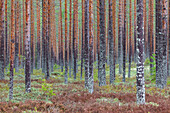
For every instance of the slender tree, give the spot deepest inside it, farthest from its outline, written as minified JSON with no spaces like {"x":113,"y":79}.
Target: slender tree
{"x":23,"y":50}
{"x":27,"y":48}
{"x":47,"y":74}
{"x":145,"y":28}
{"x":61,"y":28}
{"x":70,"y":26}
{"x":120,"y":34}
{"x":140,"y":54}
{"x":124,"y":43}
{"x":161,"y":43}
{"x":114,"y":36}
{"x":98,"y":36}
{"x":38,"y":35}
{"x":130,"y":38}
{"x":32,"y":36}
{"x":110,"y":36}
{"x":102,"y":55}
{"x":12,"y":52}
{"x":135,"y":30}
{"x":75,"y":36}
{"x":44,"y":33}
{"x":16,"y":61}
{"x":86,"y":42}
{"x":91,"y":36}
{"x":6,"y":55}
{"x":82,"y":43}
{"x":66,"y":62}
{"x":2,"y":38}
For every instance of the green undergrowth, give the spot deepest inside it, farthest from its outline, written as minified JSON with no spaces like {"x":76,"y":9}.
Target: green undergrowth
{"x":42,"y":90}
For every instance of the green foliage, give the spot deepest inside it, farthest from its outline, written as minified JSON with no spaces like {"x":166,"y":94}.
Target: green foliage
{"x":56,"y":67}
{"x":153,"y":69}
{"x":147,"y":62}
{"x":3,"y":90}
{"x":47,"y":88}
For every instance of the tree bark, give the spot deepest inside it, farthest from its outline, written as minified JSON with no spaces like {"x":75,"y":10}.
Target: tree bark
{"x":86,"y":43}
{"x":111,"y":46}
{"x":75,"y":36}
{"x":124,"y":43}
{"x":66,"y":60}
{"x":102,"y":55}
{"x":38,"y":36}
{"x":161,"y":43}
{"x":16,"y":60}
{"x":27,"y":48}
{"x":32,"y":36}
{"x":2,"y":37}
{"x":140,"y":54}
{"x":91,"y":36}
{"x":130,"y":39}
{"x":12,"y":52}
{"x":70,"y":26}
{"x":82,"y":43}
{"x":120,"y":34}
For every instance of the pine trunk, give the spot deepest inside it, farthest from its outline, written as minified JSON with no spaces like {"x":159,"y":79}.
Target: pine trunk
{"x":82,"y":43}
{"x":66,"y":48}
{"x":120,"y":34}
{"x":38,"y":36}
{"x":161,"y":43}
{"x":130,"y":39}
{"x":86,"y":43}
{"x":27,"y":48}
{"x":12,"y":50}
{"x":16,"y":60}
{"x":70,"y":26}
{"x":140,"y":54}
{"x":2,"y":37}
{"x":91,"y":36}
{"x":111,"y":45}
{"x":124,"y":43}
{"x":102,"y":55}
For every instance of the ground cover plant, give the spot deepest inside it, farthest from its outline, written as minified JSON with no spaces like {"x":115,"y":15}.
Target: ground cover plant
{"x":73,"y":97}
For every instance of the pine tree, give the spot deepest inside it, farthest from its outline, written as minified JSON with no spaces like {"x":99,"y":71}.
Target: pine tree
{"x":38,"y":36}
{"x":2,"y":37}
{"x":161,"y":43}
{"x":86,"y":42}
{"x":102,"y":55}
{"x":140,"y":54}
{"x":120,"y":35}
{"x":70,"y":36}
{"x":82,"y":43}
{"x":135,"y":31}
{"x":16,"y":60}
{"x":6,"y":55}
{"x":91,"y":36}
{"x":27,"y":48}
{"x":124,"y":43}
{"x":12,"y":52}
{"x":110,"y":37}
{"x":66,"y":62}
{"x":130,"y":39}
{"x":75,"y":36}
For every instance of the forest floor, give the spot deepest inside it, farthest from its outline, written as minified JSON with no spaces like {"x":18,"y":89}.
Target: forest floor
{"x":53,"y":96}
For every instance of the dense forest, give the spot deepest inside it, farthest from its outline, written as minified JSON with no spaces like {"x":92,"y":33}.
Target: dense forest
{"x":105,"y":56}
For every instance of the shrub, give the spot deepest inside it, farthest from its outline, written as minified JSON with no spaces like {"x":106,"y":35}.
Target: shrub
{"x":47,"y":88}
